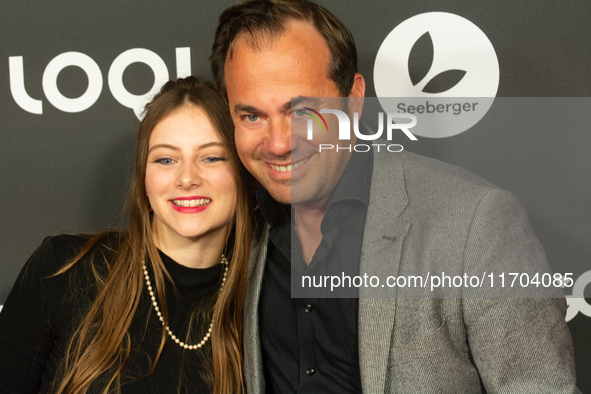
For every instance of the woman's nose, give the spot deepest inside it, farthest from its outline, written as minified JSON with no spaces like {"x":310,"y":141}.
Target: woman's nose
{"x":189,"y":176}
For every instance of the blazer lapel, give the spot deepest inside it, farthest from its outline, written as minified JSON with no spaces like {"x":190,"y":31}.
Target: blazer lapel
{"x":253,"y":363}
{"x":382,"y":244}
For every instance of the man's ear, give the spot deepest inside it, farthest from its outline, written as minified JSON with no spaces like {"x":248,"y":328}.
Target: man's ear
{"x":357,"y":94}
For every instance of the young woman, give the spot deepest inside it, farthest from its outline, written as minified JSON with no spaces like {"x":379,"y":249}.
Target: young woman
{"x":157,"y":308}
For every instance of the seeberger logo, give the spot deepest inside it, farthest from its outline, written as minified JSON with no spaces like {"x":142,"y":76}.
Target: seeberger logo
{"x":443,"y":68}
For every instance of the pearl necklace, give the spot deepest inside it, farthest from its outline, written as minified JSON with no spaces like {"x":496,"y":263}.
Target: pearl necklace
{"x":169,"y":332}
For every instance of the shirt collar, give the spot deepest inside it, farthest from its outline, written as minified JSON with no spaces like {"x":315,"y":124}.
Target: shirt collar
{"x":355,"y":183}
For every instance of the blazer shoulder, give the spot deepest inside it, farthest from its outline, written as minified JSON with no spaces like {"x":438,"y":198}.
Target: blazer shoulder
{"x":432,"y":182}
{"x":433,"y":170}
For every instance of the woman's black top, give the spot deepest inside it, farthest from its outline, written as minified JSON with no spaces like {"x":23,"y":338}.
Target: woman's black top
{"x":41,"y":311}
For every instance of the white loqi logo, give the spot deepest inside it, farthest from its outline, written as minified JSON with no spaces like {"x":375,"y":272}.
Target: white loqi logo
{"x":576,"y":302}
{"x":443,"y":68}
{"x":95,"y":79}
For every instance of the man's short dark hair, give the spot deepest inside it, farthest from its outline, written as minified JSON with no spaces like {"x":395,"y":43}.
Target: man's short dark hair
{"x":263,"y":19}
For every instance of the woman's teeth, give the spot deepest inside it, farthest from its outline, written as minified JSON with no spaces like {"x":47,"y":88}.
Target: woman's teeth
{"x":191,"y":203}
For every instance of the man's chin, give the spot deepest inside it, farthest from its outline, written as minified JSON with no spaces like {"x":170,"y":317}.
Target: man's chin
{"x":280,"y":191}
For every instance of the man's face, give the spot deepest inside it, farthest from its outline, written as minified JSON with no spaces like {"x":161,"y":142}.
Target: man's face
{"x":260,"y":85}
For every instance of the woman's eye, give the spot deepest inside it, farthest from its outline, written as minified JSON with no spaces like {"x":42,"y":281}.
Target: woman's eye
{"x":214,"y":159}
{"x":165,"y":161}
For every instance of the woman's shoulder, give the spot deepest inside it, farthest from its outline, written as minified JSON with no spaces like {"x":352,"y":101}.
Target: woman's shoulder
{"x":65,"y":246}
{"x":59,"y":286}
{"x":55,"y":252}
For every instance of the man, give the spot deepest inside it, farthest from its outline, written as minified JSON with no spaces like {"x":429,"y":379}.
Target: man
{"x":397,"y":211}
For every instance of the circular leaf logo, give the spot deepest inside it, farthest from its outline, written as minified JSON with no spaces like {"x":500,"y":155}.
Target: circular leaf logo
{"x":442,"y":68}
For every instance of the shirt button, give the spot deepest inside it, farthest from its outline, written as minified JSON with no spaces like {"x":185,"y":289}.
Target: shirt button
{"x":308,"y":308}
{"x":311,"y":371}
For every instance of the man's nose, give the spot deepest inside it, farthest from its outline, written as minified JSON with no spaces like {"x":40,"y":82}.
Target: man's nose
{"x":279,"y":136}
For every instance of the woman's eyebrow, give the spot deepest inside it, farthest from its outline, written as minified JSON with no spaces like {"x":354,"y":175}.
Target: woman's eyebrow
{"x":163,"y":146}
{"x":207,"y":145}
{"x":175,"y":148}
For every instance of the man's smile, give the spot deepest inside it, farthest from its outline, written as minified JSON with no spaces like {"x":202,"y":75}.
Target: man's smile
{"x":289,"y":167}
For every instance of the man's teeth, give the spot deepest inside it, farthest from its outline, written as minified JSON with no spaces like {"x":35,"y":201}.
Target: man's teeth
{"x":191,"y":203}
{"x":289,"y":167}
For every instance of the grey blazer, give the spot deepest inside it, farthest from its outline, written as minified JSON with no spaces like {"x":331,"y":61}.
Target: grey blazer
{"x":439,"y":217}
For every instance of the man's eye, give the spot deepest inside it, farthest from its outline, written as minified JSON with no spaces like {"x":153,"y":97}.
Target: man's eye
{"x":252,"y":118}
{"x":300,"y":112}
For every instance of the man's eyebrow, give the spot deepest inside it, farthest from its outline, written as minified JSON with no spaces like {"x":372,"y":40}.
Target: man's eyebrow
{"x":286,"y":107}
{"x":295,"y":101}
{"x":245,"y":108}
{"x":163,"y":146}
{"x":309,"y":101}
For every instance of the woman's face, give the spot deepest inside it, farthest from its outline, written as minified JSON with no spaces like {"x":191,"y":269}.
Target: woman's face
{"x":189,"y":181}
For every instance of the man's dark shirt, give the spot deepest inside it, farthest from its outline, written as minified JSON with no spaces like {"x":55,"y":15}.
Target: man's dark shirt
{"x":309,"y":345}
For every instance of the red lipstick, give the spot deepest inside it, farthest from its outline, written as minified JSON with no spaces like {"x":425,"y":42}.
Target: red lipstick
{"x":196,"y":209}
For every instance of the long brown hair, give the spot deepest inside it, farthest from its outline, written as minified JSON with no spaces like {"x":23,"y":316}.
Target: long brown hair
{"x":101,"y":341}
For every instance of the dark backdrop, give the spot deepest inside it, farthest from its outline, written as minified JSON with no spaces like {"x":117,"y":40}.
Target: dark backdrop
{"x":68,"y":171}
